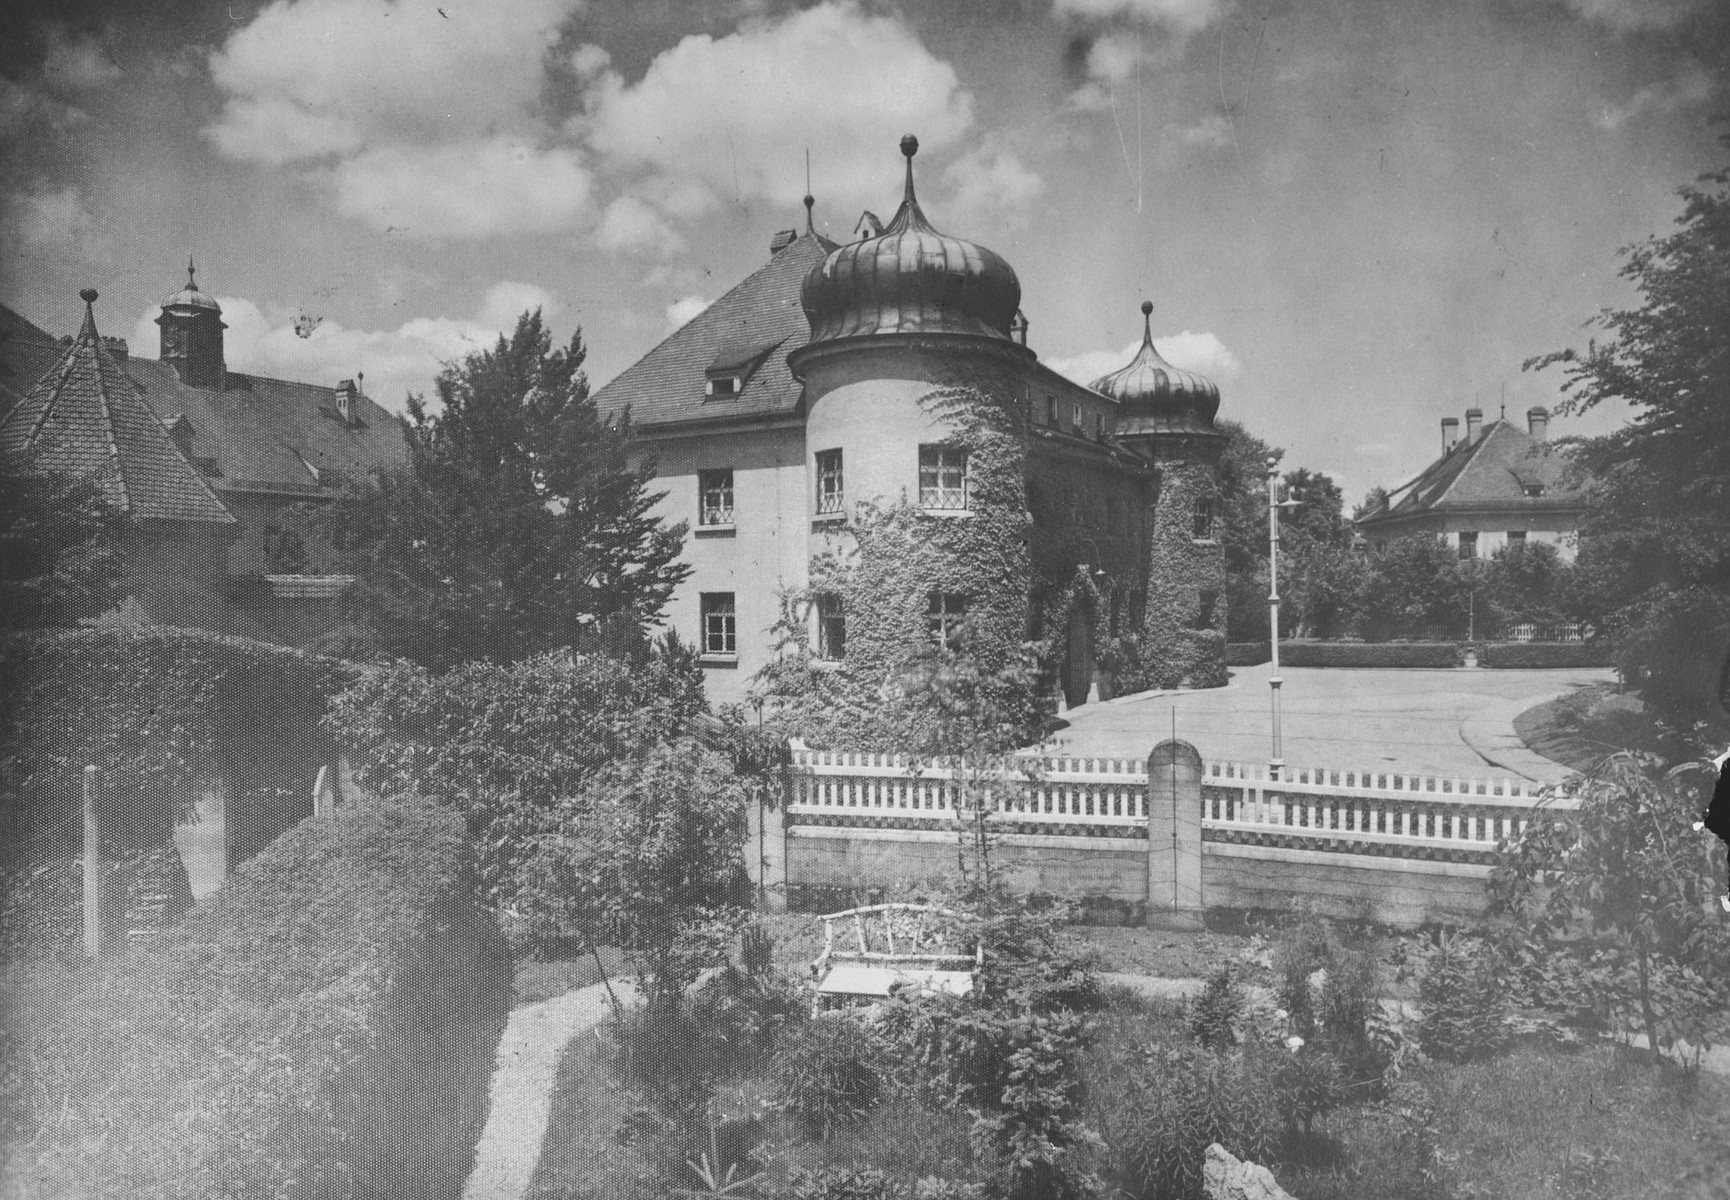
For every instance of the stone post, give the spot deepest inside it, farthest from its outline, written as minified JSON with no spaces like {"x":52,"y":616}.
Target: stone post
{"x":1174,"y":899}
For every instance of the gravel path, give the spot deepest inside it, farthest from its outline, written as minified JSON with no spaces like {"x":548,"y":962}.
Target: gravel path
{"x":522,"y":1087}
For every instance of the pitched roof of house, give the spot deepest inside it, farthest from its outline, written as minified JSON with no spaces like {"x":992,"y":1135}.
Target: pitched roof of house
{"x":85,"y":417}
{"x":759,"y":321}
{"x":1498,"y":471}
{"x":257,"y":434}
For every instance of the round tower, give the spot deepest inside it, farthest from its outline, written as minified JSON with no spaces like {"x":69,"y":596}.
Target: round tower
{"x":191,"y":324}
{"x":1167,"y":416}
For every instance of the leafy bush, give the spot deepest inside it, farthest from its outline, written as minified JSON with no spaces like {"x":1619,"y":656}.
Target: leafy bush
{"x":508,"y":745}
{"x":1214,"y":1015}
{"x":1186,"y":1100}
{"x":829,"y":1071}
{"x":1307,"y":1082}
{"x":1529,"y":655}
{"x":1247,"y":654}
{"x":1462,"y":1002}
{"x":1368,"y":654}
{"x":323,"y":1026}
{"x":1037,"y":1129}
{"x":838,"y":1183}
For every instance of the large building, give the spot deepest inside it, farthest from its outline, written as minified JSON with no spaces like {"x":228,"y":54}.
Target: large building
{"x":1499,"y":485}
{"x":216,"y":467}
{"x":867,"y":452}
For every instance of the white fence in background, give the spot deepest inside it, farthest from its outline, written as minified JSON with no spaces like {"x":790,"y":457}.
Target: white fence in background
{"x":1365,"y":812}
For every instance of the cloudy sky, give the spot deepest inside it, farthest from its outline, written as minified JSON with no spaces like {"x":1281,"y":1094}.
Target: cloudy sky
{"x":1358,"y":216}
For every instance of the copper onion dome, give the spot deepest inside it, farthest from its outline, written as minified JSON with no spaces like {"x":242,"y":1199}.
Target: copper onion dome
{"x":910,"y":279}
{"x":189,"y":296}
{"x":1156,"y":396}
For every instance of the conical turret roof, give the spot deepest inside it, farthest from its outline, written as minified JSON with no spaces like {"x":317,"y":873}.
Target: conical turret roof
{"x":86,"y":418}
{"x":1156,"y":396}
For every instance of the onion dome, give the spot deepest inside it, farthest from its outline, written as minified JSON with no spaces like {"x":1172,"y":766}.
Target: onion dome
{"x":910,"y":279}
{"x":1156,"y":396}
{"x":189,"y":296}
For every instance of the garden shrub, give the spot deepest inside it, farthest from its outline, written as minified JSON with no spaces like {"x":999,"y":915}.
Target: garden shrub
{"x":840,"y":1183}
{"x":1529,"y":655}
{"x":1213,"y":1016}
{"x":1368,"y":654}
{"x":1036,"y":1129}
{"x":830,"y":1073}
{"x":323,"y":1026}
{"x":1188,"y":1099}
{"x":1462,"y":1003}
{"x":1247,"y":654}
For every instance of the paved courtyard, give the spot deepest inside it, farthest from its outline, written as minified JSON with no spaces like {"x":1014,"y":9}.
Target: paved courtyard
{"x":1457,"y":723}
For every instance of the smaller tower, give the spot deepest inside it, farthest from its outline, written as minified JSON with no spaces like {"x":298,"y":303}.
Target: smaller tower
{"x":191,"y":325}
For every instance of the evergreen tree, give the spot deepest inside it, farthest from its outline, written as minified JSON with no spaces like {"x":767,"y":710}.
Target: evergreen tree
{"x":1661,"y":501}
{"x":521,"y":524}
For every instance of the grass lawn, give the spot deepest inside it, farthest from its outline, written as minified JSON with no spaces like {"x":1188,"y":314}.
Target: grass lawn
{"x":1580,"y":728}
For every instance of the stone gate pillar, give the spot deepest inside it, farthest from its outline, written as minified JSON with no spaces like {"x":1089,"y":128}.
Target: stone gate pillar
{"x":1174,"y":899}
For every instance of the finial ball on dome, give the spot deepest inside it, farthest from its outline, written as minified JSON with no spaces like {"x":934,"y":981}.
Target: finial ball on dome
{"x":1146,"y":308}
{"x":88,"y":295}
{"x":909,"y":145}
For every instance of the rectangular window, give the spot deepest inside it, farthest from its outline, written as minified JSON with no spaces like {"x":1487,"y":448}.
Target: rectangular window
{"x":1099,"y":427}
{"x":944,"y":613}
{"x":831,"y":628}
{"x":1516,"y":537}
{"x":1468,"y":543}
{"x":829,"y":481}
{"x":723,"y":385}
{"x":1209,"y":602}
{"x":1075,"y":422}
{"x":719,"y":625}
{"x":942,"y":477}
{"x":715,"y":492}
{"x":1048,"y":411}
{"x":1204,"y":519}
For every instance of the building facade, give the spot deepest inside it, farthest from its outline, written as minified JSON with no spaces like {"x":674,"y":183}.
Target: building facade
{"x":218,"y":468}
{"x":868,"y":454}
{"x":1498,"y":485}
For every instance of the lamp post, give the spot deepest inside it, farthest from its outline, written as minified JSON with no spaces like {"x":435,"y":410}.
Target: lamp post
{"x":1274,"y":504}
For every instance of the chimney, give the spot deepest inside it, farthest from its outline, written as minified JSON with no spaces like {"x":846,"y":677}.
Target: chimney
{"x":782,"y":240}
{"x":1474,"y":425}
{"x":346,"y":397}
{"x":116,"y":347}
{"x":1450,"y":434}
{"x":1538,"y":423}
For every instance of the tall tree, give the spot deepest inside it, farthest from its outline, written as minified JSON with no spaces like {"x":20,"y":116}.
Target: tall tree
{"x":1243,"y":494}
{"x":1320,"y":512}
{"x":1662,"y":492}
{"x":521,"y":523}
{"x":60,"y":547}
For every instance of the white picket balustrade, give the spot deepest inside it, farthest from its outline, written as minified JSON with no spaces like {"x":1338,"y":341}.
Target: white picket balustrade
{"x":1393,"y":812}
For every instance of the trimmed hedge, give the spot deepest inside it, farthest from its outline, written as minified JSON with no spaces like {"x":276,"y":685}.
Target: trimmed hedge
{"x":1368,"y":654}
{"x":323,"y":1026}
{"x":157,"y":711}
{"x":1547,"y":654}
{"x":1247,"y":654}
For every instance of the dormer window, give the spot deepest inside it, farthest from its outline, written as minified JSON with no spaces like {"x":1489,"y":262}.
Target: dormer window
{"x":736,"y":360}
{"x":1534,"y":489}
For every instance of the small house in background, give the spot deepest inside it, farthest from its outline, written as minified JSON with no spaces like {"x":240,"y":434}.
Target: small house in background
{"x":216,"y":466}
{"x":1498,"y":485}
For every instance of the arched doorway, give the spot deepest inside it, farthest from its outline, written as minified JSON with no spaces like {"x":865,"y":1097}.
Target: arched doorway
{"x":1078,"y":654}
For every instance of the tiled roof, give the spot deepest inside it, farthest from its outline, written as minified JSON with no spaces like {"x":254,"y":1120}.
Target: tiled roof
{"x":1494,"y":472}
{"x":256,"y":434}
{"x":666,"y":384}
{"x":85,"y":417}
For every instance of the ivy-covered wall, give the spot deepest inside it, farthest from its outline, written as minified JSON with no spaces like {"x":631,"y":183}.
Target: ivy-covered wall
{"x":1182,"y":628}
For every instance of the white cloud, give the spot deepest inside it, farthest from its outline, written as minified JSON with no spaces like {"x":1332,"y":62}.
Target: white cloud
{"x":986,"y":182}
{"x":465,"y":189}
{"x":1184,"y":16}
{"x":262,"y":341}
{"x":1692,"y":86}
{"x":1202,"y":353}
{"x":55,"y":220}
{"x":1631,"y":15}
{"x":683,"y":309}
{"x":733,"y":116}
{"x":1211,"y":130}
{"x":76,"y":61}
{"x":629,"y":226}
{"x":418,"y":115}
